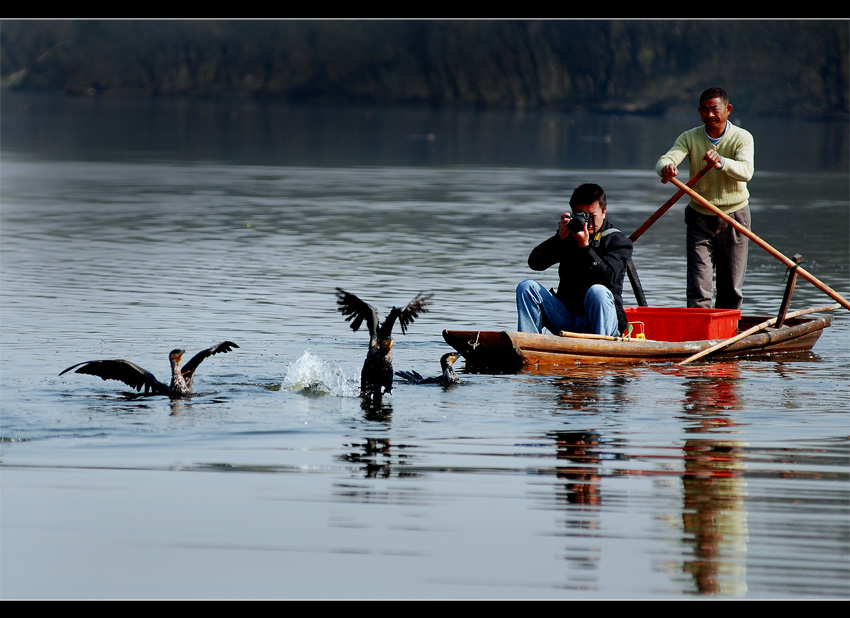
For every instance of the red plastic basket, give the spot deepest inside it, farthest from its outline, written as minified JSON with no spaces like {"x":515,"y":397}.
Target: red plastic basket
{"x":683,"y":324}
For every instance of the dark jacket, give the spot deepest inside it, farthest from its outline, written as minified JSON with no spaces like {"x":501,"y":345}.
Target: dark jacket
{"x":602,"y":261}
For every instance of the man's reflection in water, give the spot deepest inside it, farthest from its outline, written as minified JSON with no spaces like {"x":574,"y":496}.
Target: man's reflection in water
{"x":580,"y":451}
{"x":578,"y":465}
{"x":714,"y":490}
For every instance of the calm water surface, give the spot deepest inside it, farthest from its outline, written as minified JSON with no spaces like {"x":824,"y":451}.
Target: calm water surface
{"x":131,"y":228}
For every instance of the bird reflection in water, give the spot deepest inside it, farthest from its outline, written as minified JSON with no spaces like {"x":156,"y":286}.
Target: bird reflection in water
{"x":378,"y":459}
{"x":376,"y":410}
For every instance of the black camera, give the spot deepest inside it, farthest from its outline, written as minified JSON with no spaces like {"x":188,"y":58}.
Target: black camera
{"x":576,"y":223}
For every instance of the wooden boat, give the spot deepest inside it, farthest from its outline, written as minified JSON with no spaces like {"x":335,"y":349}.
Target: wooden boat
{"x":671,"y":335}
{"x":511,"y":351}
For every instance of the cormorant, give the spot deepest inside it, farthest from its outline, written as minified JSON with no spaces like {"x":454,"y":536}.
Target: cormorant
{"x":376,"y":377}
{"x":136,"y":377}
{"x":445,"y":379}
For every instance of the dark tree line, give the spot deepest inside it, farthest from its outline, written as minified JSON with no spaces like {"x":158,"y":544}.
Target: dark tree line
{"x":794,"y":67}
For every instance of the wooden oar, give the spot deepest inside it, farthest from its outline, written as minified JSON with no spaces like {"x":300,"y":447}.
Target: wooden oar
{"x":764,"y":245}
{"x":666,"y":205}
{"x":753,"y":330}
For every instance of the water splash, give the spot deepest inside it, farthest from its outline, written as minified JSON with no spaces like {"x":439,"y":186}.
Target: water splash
{"x":311,"y":375}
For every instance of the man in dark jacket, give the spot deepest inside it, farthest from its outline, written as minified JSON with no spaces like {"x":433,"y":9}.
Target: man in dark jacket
{"x":592,"y":255}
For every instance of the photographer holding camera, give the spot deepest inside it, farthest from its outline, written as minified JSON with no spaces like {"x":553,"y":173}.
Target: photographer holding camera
{"x":592,"y":255}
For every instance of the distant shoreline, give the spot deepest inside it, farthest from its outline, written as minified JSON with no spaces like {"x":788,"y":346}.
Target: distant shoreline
{"x":787,"y":68}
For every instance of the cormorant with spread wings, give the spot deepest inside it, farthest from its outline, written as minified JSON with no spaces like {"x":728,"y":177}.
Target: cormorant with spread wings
{"x":376,"y":377}
{"x":182,"y":378}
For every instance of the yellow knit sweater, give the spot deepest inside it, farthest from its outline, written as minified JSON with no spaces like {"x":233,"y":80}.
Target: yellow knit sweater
{"x":726,"y":188}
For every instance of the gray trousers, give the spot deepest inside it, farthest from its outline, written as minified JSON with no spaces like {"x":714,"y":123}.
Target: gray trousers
{"x":715,"y":247}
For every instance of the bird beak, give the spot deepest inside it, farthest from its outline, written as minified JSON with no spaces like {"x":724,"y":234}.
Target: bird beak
{"x":388,"y":345}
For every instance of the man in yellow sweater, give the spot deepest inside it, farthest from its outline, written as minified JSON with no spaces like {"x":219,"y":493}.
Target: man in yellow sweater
{"x":713,"y":244}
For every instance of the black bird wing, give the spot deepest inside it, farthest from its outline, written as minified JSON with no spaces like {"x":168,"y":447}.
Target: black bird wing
{"x":188,"y":370}
{"x":405,"y":315}
{"x":411,"y":376}
{"x":356,"y":311}
{"x":124,"y":371}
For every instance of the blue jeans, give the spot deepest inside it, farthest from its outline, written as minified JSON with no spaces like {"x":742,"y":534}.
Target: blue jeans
{"x":537,"y":307}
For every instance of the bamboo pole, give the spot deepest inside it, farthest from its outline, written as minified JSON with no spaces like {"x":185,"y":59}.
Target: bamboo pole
{"x":666,"y":205}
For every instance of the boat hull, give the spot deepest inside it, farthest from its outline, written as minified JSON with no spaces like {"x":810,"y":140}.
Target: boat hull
{"x":511,"y":351}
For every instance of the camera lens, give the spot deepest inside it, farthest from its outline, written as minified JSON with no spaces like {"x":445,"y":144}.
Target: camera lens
{"x":576,"y":223}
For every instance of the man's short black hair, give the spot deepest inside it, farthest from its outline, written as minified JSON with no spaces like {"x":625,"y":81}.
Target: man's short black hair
{"x":714,"y":93}
{"x":587,"y":194}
